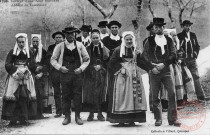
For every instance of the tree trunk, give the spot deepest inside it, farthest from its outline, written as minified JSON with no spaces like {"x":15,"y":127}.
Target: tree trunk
{"x":180,"y":16}
{"x":150,"y":9}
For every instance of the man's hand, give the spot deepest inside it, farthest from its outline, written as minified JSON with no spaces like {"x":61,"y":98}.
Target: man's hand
{"x":38,"y":76}
{"x":160,"y":66}
{"x":39,"y":68}
{"x":63,"y":69}
{"x":78,"y":71}
{"x":97,"y":67}
{"x":155,"y":71}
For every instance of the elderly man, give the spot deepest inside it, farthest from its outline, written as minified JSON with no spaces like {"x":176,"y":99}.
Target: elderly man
{"x":159,"y":53}
{"x":71,"y":59}
{"x":190,"y":46}
{"x":40,"y":60}
{"x":55,"y":74}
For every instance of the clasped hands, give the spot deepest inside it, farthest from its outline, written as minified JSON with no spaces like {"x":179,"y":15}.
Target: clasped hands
{"x":158,"y":67}
{"x":77,"y":71}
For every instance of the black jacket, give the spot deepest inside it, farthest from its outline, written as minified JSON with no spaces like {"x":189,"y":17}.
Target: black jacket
{"x":191,"y":52}
{"x":152,"y":53}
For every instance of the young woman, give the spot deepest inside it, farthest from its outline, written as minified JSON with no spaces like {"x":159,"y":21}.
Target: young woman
{"x":94,"y":89}
{"x":19,"y":101}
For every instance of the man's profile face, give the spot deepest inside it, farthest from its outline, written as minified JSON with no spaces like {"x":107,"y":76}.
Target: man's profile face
{"x":186,"y":27}
{"x":159,"y":29}
{"x":114,"y":30}
{"x":21,"y":42}
{"x":58,"y":38}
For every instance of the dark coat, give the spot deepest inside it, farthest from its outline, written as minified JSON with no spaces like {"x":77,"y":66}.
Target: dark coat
{"x":152,"y":53}
{"x":11,"y":59}
{"x":195,"y":46}
{"x":111,"y":44}
{"x":94,"y":88}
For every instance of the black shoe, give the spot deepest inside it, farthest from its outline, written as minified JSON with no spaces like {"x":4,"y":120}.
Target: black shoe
{"x":24,"y":122}
{"x":131,"y":124}
{"x":40,"y":117}
{"x":175,"y":123}
{"x":58,"y":115}
{"x":90,"y":117}
{"x":101,"y":117}
{"x":158,"y":122}
{"x":78,"y":120}
{"x":121,"y":125}
{"x":67,"y":120}
{"x":12,"y":123}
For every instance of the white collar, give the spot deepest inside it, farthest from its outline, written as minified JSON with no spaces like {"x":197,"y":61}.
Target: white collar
{"x":104,"y":35}
{"x":19,"y":50}
{"x":70,"y":46}
{"x":87,"y":39}
{"x":161,"y":41}
{"x":116,"y":38}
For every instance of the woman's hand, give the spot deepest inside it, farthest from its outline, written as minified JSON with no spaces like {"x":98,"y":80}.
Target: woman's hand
{"x":97,"y":67}
{"x":38,"y":76}
{"x":155,"y":71}
{"x":63,"y":69}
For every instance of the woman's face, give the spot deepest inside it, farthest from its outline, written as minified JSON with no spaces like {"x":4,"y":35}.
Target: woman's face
{"x":21,"y":42}
{"x":35,"y":42}
{"x":129,"y":40}
{"x":95,"y":38}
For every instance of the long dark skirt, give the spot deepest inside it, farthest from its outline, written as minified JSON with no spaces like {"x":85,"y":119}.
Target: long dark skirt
{"x":22,"y":108}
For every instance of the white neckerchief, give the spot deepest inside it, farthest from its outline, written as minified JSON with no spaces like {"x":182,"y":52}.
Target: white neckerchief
{"x":16,"y":50}
{"x":87,"y":39}
{"x":40,"y":46}
{"x":116,"y":38}
{"x":123,"y":45}
{"x":188,"y":37}
{"x":161,"y":41}
{"x":104,"y":35}
{"x":70,"y":46}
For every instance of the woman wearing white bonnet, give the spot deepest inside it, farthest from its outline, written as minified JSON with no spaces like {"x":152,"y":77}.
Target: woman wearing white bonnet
{"x":127,"y":102}
{"x":40,"y":73}
{"x":19,"y":101}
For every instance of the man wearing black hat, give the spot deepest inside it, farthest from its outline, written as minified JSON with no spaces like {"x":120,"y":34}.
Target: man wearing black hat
{"x":113,"y":40}
{"x":189,"y":45}
{"x":55,"y":74}
{"x":71,"y":59}
{"x":85,"y":38}
{"x":159,"y":53}
{"x":103,"y":29}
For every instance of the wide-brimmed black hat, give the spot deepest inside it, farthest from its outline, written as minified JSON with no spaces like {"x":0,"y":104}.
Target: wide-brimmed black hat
{"x":87,"y":28}
{"x":71,"y":29}
{"x":158,"y":21}
{"x":149,"y":27}
{"x":58,"y":33}
{"x":114,"y":23}
{"x":186,"y":22}
{"x":102,"y":24}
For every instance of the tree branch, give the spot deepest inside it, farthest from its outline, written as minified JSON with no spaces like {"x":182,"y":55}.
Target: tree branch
{"x":150,"y":8}
{"x":99,"y":7}
{"x":115,"y":5}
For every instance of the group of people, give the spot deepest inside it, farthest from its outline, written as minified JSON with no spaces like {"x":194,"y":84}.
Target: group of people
{"x":99,"y":71}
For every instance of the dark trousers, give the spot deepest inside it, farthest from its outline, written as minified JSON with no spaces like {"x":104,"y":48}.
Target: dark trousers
{"x":71,"y":89}
{"x":192,"y":66}
{"x":39,"y":87}
{"x":55,"y":77}
{"x":165,"y":77}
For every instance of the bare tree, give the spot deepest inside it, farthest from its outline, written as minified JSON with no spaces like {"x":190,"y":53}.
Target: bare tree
{"x":195,"y":6}
{"x":169,"y":5}
{"x":150,"y":8}
{"x":106,"y":14}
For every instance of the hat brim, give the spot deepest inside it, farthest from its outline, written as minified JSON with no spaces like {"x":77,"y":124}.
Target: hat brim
{"x":58,"y":33}
{"x":118,"y":24}
{"x":102,"y":25}
{"x":187,"y":24}
{"x":73,"y":31}
{"x":159,"y":24}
